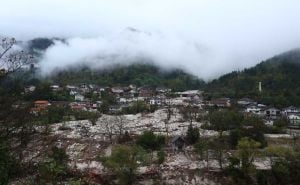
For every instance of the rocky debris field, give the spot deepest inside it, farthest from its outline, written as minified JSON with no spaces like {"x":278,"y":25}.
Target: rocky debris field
{"x":85,"y":141}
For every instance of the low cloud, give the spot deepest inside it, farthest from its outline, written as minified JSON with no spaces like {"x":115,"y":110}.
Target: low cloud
{"x":205,"y":37}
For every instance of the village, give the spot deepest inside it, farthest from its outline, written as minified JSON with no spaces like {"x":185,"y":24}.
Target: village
{"x":159,"y":110}
{"x":87,"y":97}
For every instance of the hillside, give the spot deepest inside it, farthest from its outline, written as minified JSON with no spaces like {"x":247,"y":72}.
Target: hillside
{"x":141,"y":74}
{"x":280,"y":77}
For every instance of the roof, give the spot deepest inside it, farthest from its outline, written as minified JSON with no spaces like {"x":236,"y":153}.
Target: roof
{"x":190,"y":92}
{"x":290,"y":107}
{"x":41,"y":102}
{"x":176,"y":138}
{"x":246,"y":99}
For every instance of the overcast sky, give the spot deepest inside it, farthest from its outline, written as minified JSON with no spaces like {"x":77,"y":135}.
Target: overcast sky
{"x":206,"y":37}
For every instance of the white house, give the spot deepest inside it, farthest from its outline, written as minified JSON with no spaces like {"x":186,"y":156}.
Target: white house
{"x":290,"y":110}
{"x":79,"y":97}
{"x":272,"y":113}
{"x":294,"y":120}
{"x":156,"y":101}
{"x":254,"y":110}
{"x":245,"y":101}
{"x":189,"y":93}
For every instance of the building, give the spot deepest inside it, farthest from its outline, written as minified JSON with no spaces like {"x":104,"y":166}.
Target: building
{"x":79,"y":97}
{"x":294,"y":120}
{"x":40,"y":106}
{"x":245,"y":102}
{"x":254,"y":109}
{"x":290,"y":110}
{"x":55,"y":88}
{"x":117,"y":90}
{"x":29,"y":89}
{"x":189,"y":93}
{"x":156,"y":101}
{"x":220,"y":102}
{"x":272,"y":113}
{"x":178,"y":143}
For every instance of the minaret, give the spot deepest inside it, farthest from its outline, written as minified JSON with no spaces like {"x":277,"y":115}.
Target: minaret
{"x":259,"y":87}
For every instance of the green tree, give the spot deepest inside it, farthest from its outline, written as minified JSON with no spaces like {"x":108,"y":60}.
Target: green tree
{"x":224,"y":120}
{"x":192,"y":134}
{"x":124,"y":161}
{"x":54,"y":170}
{"x":247,"y":150}
{"x":150,"y":141}
{"x":8,"y":164}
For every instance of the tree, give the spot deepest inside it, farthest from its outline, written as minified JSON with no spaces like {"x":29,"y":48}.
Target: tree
{"x":241,"y":168}
{"x":109,"y":127}
{"x":224,"y":120}
{"x":120,"y":124}
{"x":169,"y":113}
{"x":55,"y":168}
{"x":192,"y":134}
{"x":11,"y":61}
{"x":202,"y":149}
{"x":124,"y":161}
{"x":150,"y":141}
{"x":285,"y":164}
{"x":247,"y":151}
{"x":8,"y":165}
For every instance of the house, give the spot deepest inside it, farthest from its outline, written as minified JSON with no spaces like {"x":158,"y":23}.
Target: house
{"x":84,"y":88}
{"x":163,"y":90}
{"x":220,"y":102}
{"x":123,"y":100}
{"x":115,"y":109}
{"x":71,"y":87}
{"x":254,"y":109}
{"x":29,"y":89}
{"x":178,"y":143}
{"x":117,"y":90}
{"x":294,"y":120}
{"x":196,"y":99}
{"x":39,"y":106}
{"x":189,"y":93}
{"x":79,"y":97}
{"x":55,"y":88}
{"x":290,"y":110}
{"x":175,"y":101}
{"x":146,"y":93}
{"x":272,"y":113}
{"x":78,"y":106}
{"x":156,"y":101}
{"x":245,"y":101}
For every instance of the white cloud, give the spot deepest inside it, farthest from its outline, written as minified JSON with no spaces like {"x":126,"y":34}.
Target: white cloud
{"x":207,"y":37}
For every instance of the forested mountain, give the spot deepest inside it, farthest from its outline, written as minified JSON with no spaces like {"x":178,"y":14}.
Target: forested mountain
{"x":38,"y":45}
{"x":140,"y":74}
{"x":280,"y":77}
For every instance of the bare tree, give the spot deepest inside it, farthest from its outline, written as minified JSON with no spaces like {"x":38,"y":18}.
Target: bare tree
{"x":120,"y":124}
{"x":12,"y":60}
{"x":109,"y":127}
{"x":169,"y":113}
{"x":16,"y":122}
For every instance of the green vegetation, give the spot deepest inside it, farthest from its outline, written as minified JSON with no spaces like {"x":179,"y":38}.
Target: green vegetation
{"x":279,"y":76}
{"x":124,"y":161}
{"x":140,"y":74}
{"x":136,"y":107}
{"x":150,"y":141}
{"x":55,"y":168}
{"x":8,"y":165}
{"x":192,"y":134}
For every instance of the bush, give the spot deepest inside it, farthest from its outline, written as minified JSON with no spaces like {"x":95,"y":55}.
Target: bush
{"x":150,"y":141}
{"x":161,"y":156}
{"x":192,"y":135}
